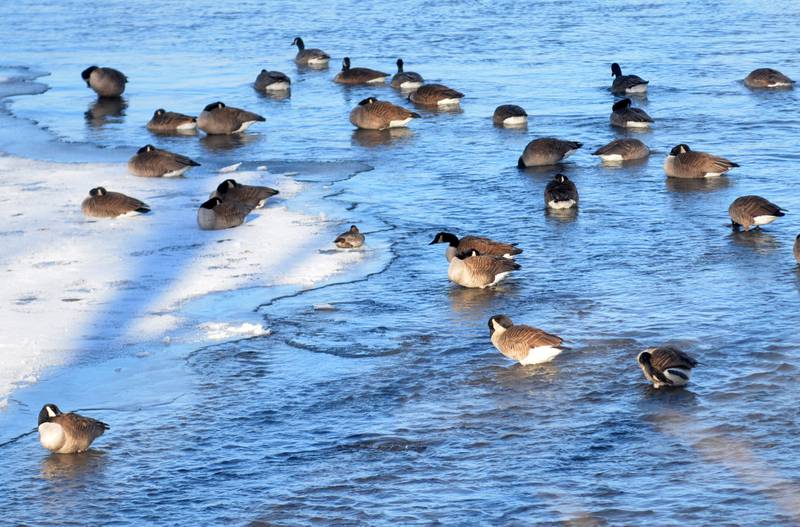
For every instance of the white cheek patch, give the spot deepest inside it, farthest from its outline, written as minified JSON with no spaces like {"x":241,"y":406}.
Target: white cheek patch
{"x":50,"y":412}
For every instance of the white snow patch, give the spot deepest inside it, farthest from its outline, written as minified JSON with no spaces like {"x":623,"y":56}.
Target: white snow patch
{"x":223,"y":330}
{"x":230,"y":168}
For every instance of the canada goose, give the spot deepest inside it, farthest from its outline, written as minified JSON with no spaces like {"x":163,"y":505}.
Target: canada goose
{"x":467,"y":244}
{"x":546,"y":151}
{"x":624,"y":116}
{"x":767,"y":78}
{"x":796,"y":248}
{"x":216,"y":214}
{"x":372,"y":114}
{"x":623,"y":84}
{"x":171,"y":122}
{"x":473,"y":269}
{"x":350,"y":75}
{"x":272,"y":81}
{"x":68,"y":433}
{"x":309,"y":57}
{"x":747,"y":211}
{"x":106,"y":82}
{"x":150,"y":161}
{"x":622,"y":150}
{"x":436,"y":95}
{"x":666,"y":366}
{"x":252,"y":196}
{"x":406,"y":80}
{"x":216,"y":118}
{"x":349,"y":239}
{"x":561,"y":193}
{"x":104,"y":204}
{"x":525,"y":344}
{"x":684,"y":162}
{"x":510,"y":115}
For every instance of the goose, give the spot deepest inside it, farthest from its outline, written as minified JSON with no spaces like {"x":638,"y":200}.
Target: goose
{"x":546,"y":151}
{"x":252,"y":196}
{"x":350,"y":75}
{"x":171,"y":122}
{"x":216,"y":214}
{"x":68,"y":433}
{"x":216,"y":118}
{"x":406,"y":80}
{"x":796,"y":248}
{"x":106,"y":82}
{"x":525,"y":344}
{"x":623,"y":84}
{"x":272,"y":81}
{"x":350,"y":239}
{"x":624,"y":116}
{"x":372,"y":114}
{"x":622,"y":150}
{"x":561,"y":193}
{"x":104,"y":204}
{"x":683,"y":162}
{"x":483,"y":245}
{"x":475,"y":270}
{"x":309,"y":57}
{"x":666,"y":366}
{"x":767,"y":78}
{"x":509,"y":115}
{"x":436,"y":95}
{"x":150,"y":161}
{"x":747,"y":211}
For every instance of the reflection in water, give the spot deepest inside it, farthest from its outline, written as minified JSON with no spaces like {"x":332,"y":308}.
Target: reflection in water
{"x":676,"y":184}
{"x":106,"y":110}
{"x":72,"y":466}
{"x":226,"y":142}
{"x":373,"y":138}
{"x":280,"y":95}
{"x":561,"y":215}
{"x":467,"y":299}
{"x":760,"y":241}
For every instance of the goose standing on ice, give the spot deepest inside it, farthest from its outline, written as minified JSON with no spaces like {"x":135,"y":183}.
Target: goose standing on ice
{"x":623,"y":115}
{"x":372,"y":114}
{"x":546,"y":151}
{"x":104,"y":204}
{"x":272,"y":81}
{"x":437,"y":95}
{"x":406,"y":80}
{"x":626,"y":84}
{"x":164,"y":122}
{"x":216,"y":214}
{"x":525,"y":344}
{"x":252,"y":196}
{"x":747,"y":211}
{"x":620,"y":150}
{"x":312,"y":57}
{"x":510,"y":115}
{"x":218,"y":119}
{"x":106,"y":82}
{"x":767,"y":78}
{"x":475,"y":270}
{"x":666,"y":366}
{"x":150,"y":161}
{"x":683,"y":162}
{"x":350,"y":239}
{"x":68,"y":433}
{"x":352,"y":76}
{"x":561,"y":193}
{"x":467,"y":244}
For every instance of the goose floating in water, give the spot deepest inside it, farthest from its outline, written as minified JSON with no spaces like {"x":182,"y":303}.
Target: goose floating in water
{"x":272,"y":81}
{"x":106,"y":82}
{"x":372,"y":114}
{"x":666,"y":366}
{"x":561,"y":193}
{"x":546,"y":151}
{"x":510,"y":115}
{"x":683,"y":162}
{"x":311,"y":57}
{"x":620,"y":150}
{"x":623,"y":115}
{"x":218,"y":119}
{"x":406,"y":80}
{"x":525,"y":344}
{"x":768,"y":78}
{"x":68,"y":433}
{"x":150,"y":161}
{"x":104,"y":204}
{"x":437,"y":95}
{"x":351,"y":76}
{"x":626,"y":84}
{"x":350,"y":239}
{"x":748,"y":211}
{"x":252,"y":196}
{"x":481,"y":244}
{"x":164,"y":122}
{"x":475,"y":270}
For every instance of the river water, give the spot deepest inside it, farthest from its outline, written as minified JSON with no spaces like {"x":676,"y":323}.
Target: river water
{"x":390,"y":406}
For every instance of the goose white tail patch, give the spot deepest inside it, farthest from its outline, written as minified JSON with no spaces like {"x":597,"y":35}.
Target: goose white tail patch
{"x":377,"y":80}
{"x":499,"y":277}
{"x":398,"y":124}
{"x":410,"y":85}
{"x":637,"y":124}
{"x":277,"y":86}
{"x":540,"y":354}
{"x":611,"y":158}
{"x":518,"y":120}
{"x":449,"y":102}
{"x":187,"y":126}
{"x":763,"y":220}
{"x":639,"y":88}
{"x":713,"y":174}
{"x":177,"y":173}
{"x":678,"y":376}
{"x":318,"y":61}
{"x":568,"y":153}
{"x":553,"y":204}
{"x":244,"y":126}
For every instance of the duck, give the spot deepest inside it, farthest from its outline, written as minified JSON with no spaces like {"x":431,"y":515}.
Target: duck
{"x":216,"y":214}
{"x":747,"y":211}
{"x":683,"y":162}
{"x":350,"y":239}
{"x":150,"y":161}
{"x":796,"y":248}
{"x":252,"y":196}
{"x":524,"y":344}
{"x":68,"y":433}
{"x":406,"y":80}
{"x":620,"y":150}
{"x":104,"y":204}
{"x":623,"y":84}
{"x":767,"y":78}
{"x":560,"y":193}
{"x":352,"y":76}
{"x":510,"y":115}
{"x":272,"y":81}
{"x":372,"y":114}
{"x":666,"y":366}
{"x":218,"y":119}
{"x":475,"y":270}
{"x":625,"y":116}
{"x":466,"y":244}
{"x":546,"y":151}
{"x":164,"y":122}
{"x":436,"y":95}
{"x":312,"y":57}
{"x":106,"y":82}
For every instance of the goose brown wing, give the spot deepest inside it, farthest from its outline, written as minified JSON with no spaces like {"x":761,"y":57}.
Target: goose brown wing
{"x":239,"y":116}
{"x":486,"y":246}
{"x":670,"y":357}
{"x":752,"y":206}
{"x":250,"y":195}
{"x":702,"y":163}
{"x":518,"y":340}
{"x":488,"y":267}
{"x":117,"y":203}
{"x":84,"y":429}
{"x":622,"y":147}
